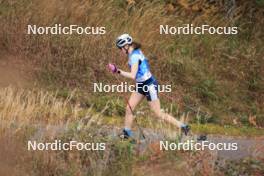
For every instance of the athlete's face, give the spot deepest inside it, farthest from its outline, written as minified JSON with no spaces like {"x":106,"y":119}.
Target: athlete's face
{"x":124,"y":50}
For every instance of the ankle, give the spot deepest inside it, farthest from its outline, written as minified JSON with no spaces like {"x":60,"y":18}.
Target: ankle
{"x":183,"y":125}
{"x":127,"y":131}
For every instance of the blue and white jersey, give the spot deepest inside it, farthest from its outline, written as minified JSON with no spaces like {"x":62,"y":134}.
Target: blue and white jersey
{"x":143,"y":73}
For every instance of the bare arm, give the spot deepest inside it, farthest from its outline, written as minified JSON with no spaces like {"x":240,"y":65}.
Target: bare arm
{"x":132,"y":74}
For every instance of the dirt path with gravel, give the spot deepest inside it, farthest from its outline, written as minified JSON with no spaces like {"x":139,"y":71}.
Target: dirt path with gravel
{"x":246,"y":146}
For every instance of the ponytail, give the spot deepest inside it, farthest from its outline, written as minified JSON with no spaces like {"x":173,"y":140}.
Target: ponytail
{"x":136,"y":45}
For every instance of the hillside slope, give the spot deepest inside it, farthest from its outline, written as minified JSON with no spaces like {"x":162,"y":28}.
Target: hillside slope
{"x":222,"y":75}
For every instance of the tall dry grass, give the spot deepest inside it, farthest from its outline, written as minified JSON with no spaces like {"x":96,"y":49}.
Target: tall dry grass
{"x":220,"y":74}
{"x":29,"y":106}
{"x":34,"y":106}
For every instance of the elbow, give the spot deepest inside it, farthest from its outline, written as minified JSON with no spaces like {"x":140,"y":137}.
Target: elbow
{"x":133,"y":77}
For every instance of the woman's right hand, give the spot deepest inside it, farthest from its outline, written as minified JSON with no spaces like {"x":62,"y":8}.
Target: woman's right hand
{"x":112,"y":67}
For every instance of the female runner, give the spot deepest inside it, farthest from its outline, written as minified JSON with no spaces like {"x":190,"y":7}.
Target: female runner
{"x":146,"y":84}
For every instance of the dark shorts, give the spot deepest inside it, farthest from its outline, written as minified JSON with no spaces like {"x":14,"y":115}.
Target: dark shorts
{"x":148,"y":88}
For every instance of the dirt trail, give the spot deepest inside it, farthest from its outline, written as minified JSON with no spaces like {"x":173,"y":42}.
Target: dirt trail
{"x":246,"y":147}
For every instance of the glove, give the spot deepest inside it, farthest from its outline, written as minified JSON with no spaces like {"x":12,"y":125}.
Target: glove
{"x":112,"y":68}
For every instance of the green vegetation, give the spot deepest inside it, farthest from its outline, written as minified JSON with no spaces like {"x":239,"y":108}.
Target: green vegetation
{"x":227,"y":130}
{"x":217,"y":82}
{"x":220,"y":74}
{"x":63,"y":118}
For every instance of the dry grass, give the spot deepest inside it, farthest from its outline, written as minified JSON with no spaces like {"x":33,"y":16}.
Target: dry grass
{"x":25,"y":107}
{"x":218,"y":74}
{"x":201,"y":67}
{"x":29,"y":106}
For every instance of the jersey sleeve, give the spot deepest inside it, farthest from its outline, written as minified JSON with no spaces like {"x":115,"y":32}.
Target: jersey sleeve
{"x":135,"y":59}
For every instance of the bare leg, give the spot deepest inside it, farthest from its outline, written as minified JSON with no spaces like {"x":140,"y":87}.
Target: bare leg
{"x":155,"y":106}
{"x":134,"y":100}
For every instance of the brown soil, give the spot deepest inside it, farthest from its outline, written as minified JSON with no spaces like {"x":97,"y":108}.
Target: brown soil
{"x":14,"y":71}
{"x":161,"y":167}
{"x":12,"y":155}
